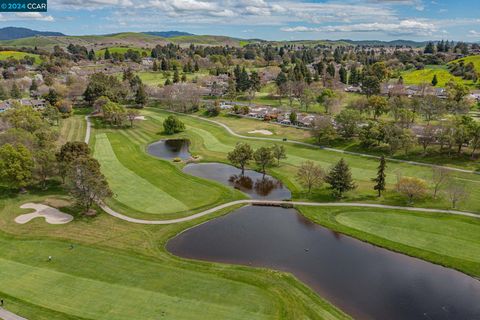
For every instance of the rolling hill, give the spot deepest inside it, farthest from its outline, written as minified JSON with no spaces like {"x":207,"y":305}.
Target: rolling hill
{"x":11,"y":33}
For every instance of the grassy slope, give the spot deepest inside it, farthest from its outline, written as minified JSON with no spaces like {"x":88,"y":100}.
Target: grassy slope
{"x":417,"y":77}
{"x":213,"y":143}
{"x":119,"y":270}
{"x":444,"y":239}
{"x":121,"y":50}
{"x":474,"y":59}
{"x":158,"y":78}
{"x":4,"y":55}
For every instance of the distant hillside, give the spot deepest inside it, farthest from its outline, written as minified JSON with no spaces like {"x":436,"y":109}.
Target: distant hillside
{"x":394,"y":43}
{"x":168,"y":34}
{"x":11,"y":33}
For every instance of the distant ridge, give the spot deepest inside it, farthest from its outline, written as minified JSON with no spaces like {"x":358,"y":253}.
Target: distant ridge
{"x":393,"y":43}
{"x":168,"y":34}
{"x":12,"y":33}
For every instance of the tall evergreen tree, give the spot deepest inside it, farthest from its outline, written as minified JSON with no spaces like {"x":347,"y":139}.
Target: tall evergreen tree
{"x":15,"y":91}
{"x":107,"y":55}
{"x":340,"y":179}
{"x":434,"y":80}
{"x":343,"y":75}
{"x":380,"y":179}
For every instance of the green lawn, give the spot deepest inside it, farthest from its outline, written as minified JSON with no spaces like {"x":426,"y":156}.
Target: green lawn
{"x":158,"y":78}
{"x":72,"y":128}
{"x":444,"y":239}
{"x":119,"y":270}
{"x":418,"y":77}
{"x":213,"y":142}
{"x":148,"y":187}
{"x":4,"y":55}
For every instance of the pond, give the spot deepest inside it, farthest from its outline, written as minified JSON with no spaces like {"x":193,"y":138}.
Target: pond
{"x":170,"y":149}
{"x":365,"y":281}
{"x":255,"y":184}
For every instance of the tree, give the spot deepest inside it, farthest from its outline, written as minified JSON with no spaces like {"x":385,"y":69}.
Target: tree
{"x":348,"y":121}
{"x":173,"y":125}
{"x":107,"y":55}
{"x":176,"y":76}
{"x":378,"y":105}
{"x":440,"y":177}
{"x":254,"y":84}
{"x":412,"y":188}
{"x":434,"y":80}
{"x":16,"y":166}
{"x":86,"y":183}
{"x":263,"y":157}
{"x":310,"y":175}
{"x":380,"y":180}
{"x":45,"y":165}
{"x":241,"y":155}
{"x":371,"y":86}
{"x":141,"y":97}
{"x":33,"y":86}
{"x":293,"y":117}
{"x":457,"y":192}
{"x":323,"y":130}
{"x":24,"y":117}
{"x":100,"y":85}
{"x":132,"y":115}
{"x":343,"y":75}
{"x":279,"y":153}
{"x":340,"y":179}
{"x":68,"y":153}
{"x":15,"y":91}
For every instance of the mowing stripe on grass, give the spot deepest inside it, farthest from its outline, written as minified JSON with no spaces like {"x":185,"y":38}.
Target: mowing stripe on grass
{"x":130,"y":189}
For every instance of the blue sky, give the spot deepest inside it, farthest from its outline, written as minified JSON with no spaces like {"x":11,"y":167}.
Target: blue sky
{"x":266,"y":19}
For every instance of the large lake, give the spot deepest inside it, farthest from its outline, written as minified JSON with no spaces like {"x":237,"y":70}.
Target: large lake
{"x":365,"y":281}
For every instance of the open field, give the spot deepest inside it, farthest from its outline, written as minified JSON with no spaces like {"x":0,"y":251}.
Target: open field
{"x":72,"y":128}
{"x":4,"y":55}
{"x":119,"y":270}
{"x":418,"y":77}
{"x":122,"y":50}
{"x":213,"y":142}
{"x":440,"y":238}
{"x":474,"y":59}
{"x":158,"y":78}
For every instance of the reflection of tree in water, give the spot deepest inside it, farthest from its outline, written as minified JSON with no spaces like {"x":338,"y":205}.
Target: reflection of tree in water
{"x":175,"y":145}
{"x":264,"y":186}
{"x":241,"y":182}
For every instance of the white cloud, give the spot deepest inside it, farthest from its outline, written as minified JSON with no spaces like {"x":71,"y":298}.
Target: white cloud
{"x":411,"y":27}
{"x":25,"y":16}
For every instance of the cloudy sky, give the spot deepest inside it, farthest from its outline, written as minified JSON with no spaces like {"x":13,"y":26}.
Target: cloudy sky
{"x":266,"y":19}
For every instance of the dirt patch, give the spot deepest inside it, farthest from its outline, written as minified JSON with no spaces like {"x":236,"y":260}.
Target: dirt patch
{"x":265,"y":132}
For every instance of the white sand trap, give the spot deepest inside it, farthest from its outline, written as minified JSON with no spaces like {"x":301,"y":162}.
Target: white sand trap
{"x":265,"y":132}
{"x":51,"y":215}
{"x":140,"y":118}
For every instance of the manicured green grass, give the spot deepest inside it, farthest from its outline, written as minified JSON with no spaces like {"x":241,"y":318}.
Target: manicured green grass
{"x":119,"y":270}
{"x":444,"y":239}
{"x":72,"y":129}
{"x":4,"y":55}
{"x":158,"y":78}
{"x":144,"y":186}
{"x":418,"y":77}
{"x":213,"y":142}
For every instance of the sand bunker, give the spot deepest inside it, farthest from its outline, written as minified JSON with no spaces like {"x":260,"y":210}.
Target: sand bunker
{"x":140,"y":118}
{"x":265,"y":132}
{"x":51,"y":215}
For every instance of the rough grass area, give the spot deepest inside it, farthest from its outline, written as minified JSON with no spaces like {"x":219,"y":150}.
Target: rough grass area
{"x":444,"y":239}
{"x":158,"y":78}
{"x":418,"y":77}
{"x":72,"y":129}
{"x":121,"y":50}
{"x":118,"y":271}
{"x":474,"y":59}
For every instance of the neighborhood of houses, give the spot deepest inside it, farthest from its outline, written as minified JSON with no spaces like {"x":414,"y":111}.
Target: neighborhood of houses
{"x":37,"y":104}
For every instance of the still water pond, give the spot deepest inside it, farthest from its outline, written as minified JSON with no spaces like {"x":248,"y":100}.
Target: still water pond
{"x":255,"y":184}
{"x":170,"y":149}
{"x":365,"y":281}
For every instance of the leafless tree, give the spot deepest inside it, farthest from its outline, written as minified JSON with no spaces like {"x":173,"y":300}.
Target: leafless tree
{"x":440,"y":177}
{"x":457,"y":192}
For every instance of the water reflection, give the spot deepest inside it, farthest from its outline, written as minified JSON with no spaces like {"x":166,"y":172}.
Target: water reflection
{"x":367,"y":282}
{"x":255,"y":184}
{"x":170,"y":149}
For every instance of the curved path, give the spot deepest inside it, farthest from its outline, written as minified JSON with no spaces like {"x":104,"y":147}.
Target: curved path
{"x":116,"y":214}
{"x":279,"y":203}
{"x":7,"y":315}
{"x":310,"y":145}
